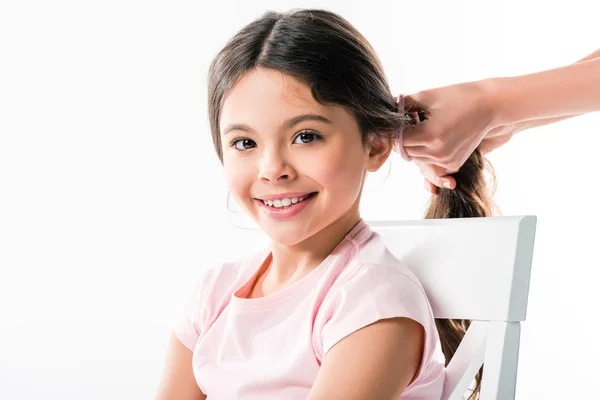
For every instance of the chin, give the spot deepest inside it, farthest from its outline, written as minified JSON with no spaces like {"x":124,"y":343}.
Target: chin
{"x":285,"y":237}
{"x":287,"y":234}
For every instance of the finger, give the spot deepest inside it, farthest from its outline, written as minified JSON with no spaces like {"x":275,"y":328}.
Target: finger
{"x":419,"y":151}
{"x":486,"y":146}
{"x":446,"y":182}
{"x":483,"y":150}
{"x":436,"y":176}
{"x":444,"y":167}
{"x":489,"y":144}
{"x":450,"y":171}
{"x":423,"y":160}
{"x":430,"y":187}
{"x":415,"y":137}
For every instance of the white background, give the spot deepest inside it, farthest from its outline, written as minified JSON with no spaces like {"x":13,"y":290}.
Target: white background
{"x":112,"y":200}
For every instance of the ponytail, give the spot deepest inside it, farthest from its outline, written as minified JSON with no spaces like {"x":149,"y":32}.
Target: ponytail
{"x":469,"y":199}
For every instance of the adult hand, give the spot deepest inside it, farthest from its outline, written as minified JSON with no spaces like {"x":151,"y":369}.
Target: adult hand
{"x":458,"y":118}
{"x":436,"y":175}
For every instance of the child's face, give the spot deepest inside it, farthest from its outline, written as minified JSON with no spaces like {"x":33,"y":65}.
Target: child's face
{"x":326,"y":160}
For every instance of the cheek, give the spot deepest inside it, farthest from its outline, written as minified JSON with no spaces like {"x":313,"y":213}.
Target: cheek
{"x":341,"y":175}
{"x":238,"y":178}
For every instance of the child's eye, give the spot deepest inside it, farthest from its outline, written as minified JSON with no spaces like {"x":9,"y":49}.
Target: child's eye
{"x":307,"y":137}
{"x":243,"y":144}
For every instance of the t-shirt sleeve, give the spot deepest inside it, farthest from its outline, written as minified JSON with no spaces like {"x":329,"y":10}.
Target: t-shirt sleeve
{"x":192,"y":315}
{"x":374,"y":292}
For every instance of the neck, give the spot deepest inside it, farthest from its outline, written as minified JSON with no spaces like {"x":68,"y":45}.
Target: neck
{"x":290,"y":263}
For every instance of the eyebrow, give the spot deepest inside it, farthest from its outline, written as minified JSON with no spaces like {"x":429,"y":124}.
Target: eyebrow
{"x":287,"y":124}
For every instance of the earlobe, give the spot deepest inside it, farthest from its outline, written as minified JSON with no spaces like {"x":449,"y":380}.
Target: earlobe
{"x":379,"y":150}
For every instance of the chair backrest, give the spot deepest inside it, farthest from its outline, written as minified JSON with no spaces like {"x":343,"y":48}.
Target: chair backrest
{"x":471,"y":268}
{"x":476,"y":269}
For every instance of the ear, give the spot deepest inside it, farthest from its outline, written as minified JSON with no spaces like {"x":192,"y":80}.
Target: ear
{"x":378,"y":150}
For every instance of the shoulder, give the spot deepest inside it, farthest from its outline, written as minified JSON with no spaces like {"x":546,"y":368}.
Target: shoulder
{"x":374,"y":292}
{"x":377,"y":361}
{"x":372,"y":273}
{"x":225,"y":273}
{"x":374,"y":261}
{"x":216,"y":282}
{"x":388,"y":287}
{"x":379,"y":306}
{"x":207,"y":295}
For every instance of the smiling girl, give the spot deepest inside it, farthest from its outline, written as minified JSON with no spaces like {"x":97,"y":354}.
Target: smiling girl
{"x":300,"y":111}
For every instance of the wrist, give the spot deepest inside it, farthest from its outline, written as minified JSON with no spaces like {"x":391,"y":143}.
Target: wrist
{"x":497,"y":97}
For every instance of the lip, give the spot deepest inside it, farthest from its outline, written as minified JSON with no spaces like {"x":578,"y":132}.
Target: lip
{"x":289,"y":195}
{"x":285,"y":212}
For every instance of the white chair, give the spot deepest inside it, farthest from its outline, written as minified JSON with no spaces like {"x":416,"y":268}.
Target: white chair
{"x":471,"y":268}
{"x":477,"y":269}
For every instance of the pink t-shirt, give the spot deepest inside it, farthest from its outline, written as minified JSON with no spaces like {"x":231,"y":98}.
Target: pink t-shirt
{"x":271,"y":347}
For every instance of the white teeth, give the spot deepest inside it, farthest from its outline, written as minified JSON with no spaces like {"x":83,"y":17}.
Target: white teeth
{"x":285,"y":202}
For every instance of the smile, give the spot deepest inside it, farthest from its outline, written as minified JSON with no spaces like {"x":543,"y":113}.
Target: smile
{"x":285,"y":202}
{"x":285,"y":207}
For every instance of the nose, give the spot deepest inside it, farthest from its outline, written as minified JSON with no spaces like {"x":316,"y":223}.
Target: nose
{"x":275,"y":167}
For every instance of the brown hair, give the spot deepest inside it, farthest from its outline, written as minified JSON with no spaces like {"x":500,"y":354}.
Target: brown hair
{"x":325,"y":52}
{"x":470,"y":198}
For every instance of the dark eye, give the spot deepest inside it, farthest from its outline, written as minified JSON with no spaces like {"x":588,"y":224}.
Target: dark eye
{"x":307,"y":137}
{"x":243,"y":144}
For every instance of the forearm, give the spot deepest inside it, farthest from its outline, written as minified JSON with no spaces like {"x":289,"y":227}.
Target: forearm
{"x":595,"y":54}
{"x":532,"y":123}
{"x":548,"y":96}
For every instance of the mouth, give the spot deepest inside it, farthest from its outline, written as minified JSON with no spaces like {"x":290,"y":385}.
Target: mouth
{"x":285,"y":207}
{"x":285,"y":202}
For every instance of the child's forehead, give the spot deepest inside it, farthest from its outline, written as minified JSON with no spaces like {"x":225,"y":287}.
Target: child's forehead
{"x":266,"y":97}
{"x":270,"y":88}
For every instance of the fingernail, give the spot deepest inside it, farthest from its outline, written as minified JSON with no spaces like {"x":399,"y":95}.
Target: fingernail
{"x":446,"y":184}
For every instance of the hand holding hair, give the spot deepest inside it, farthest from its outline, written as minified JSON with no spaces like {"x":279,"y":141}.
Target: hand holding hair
{"x":486,"y":114}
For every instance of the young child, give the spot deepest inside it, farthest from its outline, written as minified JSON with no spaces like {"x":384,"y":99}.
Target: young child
{"x":300,"y":111}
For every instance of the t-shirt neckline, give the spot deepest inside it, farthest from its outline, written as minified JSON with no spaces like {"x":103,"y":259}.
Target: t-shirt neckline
{"x":359,"y":233}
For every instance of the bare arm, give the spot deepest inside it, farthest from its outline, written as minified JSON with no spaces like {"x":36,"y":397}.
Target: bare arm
{"x":549,"y":96}
{"x":376,"y":362}
{"x":178,"y":380}
{"x":523,"y":125}
{"x":485,"y":114}
{"x":595,"y":54}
